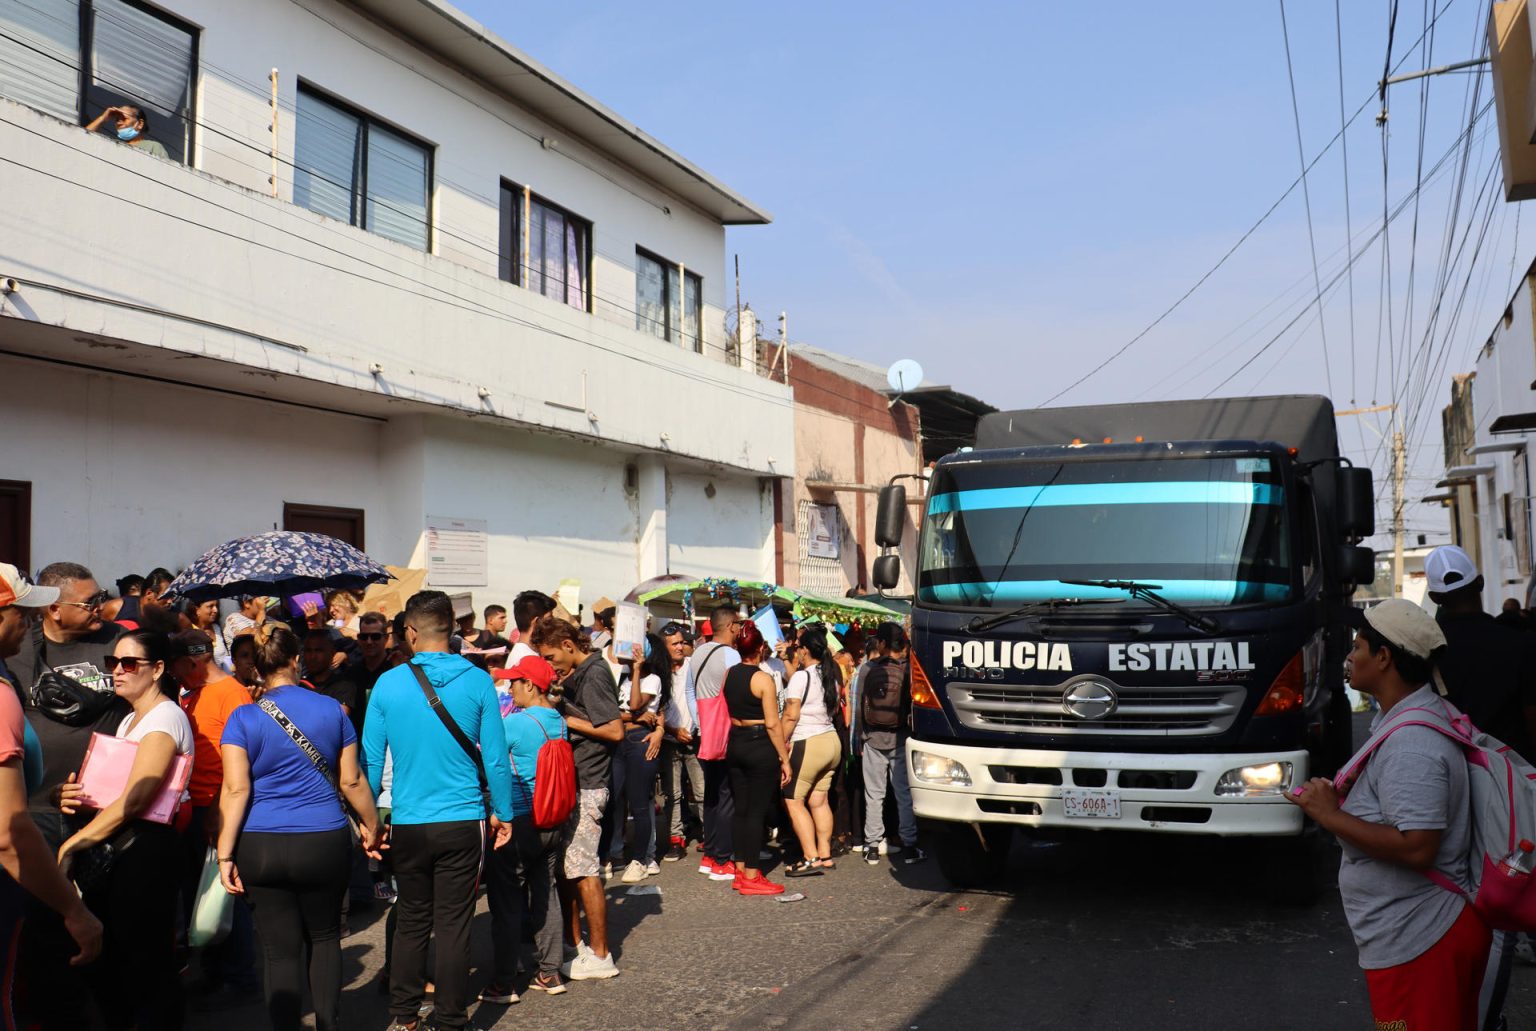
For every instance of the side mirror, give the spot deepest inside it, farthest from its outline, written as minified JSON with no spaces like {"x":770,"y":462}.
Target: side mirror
{"x":1356,"y":565}
{"x":1356,"y":502}
{"x":886,"y":572}
{"x":891,"y":515}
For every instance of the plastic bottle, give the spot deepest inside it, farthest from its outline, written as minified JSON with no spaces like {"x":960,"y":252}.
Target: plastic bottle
{"x":1521,"y":861}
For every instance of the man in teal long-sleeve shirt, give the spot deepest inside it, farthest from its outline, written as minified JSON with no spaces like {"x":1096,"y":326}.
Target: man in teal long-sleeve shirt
{"x":437,"y":837}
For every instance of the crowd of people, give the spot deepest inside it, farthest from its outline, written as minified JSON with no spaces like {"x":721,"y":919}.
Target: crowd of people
{"x":305,"y":745}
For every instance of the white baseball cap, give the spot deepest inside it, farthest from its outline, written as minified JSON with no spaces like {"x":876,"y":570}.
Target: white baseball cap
{"x":15,"y":590}
{"x":1448,"y":568}
{"x":1405,"y":625}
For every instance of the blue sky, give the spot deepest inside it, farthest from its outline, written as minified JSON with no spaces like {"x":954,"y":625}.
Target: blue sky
{"x":1010,"y":192}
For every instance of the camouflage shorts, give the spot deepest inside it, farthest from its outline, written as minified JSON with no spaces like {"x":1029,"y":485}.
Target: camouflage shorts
{"x":583,"y":830}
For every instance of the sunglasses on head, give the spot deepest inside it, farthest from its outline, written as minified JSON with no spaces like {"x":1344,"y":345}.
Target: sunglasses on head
{"x":130,"y":663}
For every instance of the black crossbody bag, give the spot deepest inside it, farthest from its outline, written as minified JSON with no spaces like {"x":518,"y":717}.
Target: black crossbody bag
{"x":307,"y":746}
{"x":458,"y":735}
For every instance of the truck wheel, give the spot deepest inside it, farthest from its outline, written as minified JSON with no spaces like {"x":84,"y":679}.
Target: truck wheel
{"x":973,"y":855}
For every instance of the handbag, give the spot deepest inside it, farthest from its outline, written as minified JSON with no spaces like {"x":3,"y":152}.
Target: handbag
{"x":458,"y":735}
{"x":714,"y":716}
{"x":62,"y":698}
{"x":213,"y":908}
{"x":307,"y":746}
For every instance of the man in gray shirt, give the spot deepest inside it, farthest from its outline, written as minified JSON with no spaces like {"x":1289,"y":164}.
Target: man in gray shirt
{"x":1404,"y":816}
{"x":706,"y":679}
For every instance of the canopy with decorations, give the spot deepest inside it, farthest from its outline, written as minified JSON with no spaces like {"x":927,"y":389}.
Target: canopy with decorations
{"x":675,"y":597}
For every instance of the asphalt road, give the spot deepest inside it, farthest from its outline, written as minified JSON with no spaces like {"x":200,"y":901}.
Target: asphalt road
{"x":1100,"y":931}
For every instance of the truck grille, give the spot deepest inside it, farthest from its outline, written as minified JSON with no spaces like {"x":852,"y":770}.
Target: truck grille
{"x":1147,"y":711}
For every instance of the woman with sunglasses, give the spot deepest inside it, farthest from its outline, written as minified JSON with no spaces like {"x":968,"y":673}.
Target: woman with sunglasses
{"x":136,"y":895}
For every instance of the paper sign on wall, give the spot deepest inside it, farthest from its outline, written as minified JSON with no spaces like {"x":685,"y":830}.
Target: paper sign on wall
{"x":458,"y":552}
{"x":823,"y":532}
{"x":629,"y":630}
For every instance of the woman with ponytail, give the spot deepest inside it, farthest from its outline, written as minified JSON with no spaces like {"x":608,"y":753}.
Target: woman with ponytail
{"x":811,"y":701}
{"x":284,"y":842}
{"x":135,"y":886}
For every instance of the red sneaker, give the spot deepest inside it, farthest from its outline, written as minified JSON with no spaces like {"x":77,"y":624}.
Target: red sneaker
{"x":725,"y":871}
{"x":707,"y":865}
{"x":759,"y":885}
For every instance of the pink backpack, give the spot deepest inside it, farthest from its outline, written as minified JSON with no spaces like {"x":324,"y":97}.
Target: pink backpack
{"x":1503,"y":801}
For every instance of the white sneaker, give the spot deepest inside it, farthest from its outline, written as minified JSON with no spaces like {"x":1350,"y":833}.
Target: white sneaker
{"x":652,"y":868}
{"x":634,"y":873}
{"x":570,"y":956}
{"x":589,"y":967}
{"x":607,"y":871}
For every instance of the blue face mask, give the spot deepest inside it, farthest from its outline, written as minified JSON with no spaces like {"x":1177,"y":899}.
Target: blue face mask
{"x":127,"y":134}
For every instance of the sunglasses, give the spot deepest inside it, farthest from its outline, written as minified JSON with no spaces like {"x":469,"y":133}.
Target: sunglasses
{"x":370,"y":637}
{"x":95,"y":601}
{"x":130,"y":663}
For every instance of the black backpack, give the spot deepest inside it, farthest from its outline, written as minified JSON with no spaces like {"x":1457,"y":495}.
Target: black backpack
{"x":880,"y":697}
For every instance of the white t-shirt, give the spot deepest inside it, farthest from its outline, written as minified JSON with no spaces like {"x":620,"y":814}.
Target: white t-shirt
{"x":165,"y":718}
{"x":650,"y":684}
{"x":805,"y":687}
{"x":520,"y":651}
{"x":678,"y":714}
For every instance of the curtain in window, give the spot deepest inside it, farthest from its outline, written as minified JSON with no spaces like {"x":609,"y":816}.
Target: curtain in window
{"x":551,"y":265}
{"x":40,"y":55}
{"x":575,"y":266}
{"x":397,"y":188}
{"x":650,"y":296}
{"x":137,"y":58}
{"x":693,"y":287}
{"x":326,"y":160}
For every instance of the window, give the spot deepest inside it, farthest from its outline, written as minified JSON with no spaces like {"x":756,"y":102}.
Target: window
{"x":661,"y":308}
{"x":16,"y":523}
{"x":559,"y":263}
{"x":345,"y":524}
{"x":135,"y":56}
{"x":354,"y":168}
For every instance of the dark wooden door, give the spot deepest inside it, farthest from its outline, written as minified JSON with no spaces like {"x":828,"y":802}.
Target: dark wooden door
{"x":16,"y":523}
{"x":345,"y":524}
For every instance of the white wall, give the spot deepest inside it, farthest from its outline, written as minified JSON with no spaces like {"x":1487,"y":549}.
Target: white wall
{"x":727,"y":534}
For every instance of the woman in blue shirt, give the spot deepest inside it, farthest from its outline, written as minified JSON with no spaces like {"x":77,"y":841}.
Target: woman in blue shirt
{"x":284,"y":841}
{"x":521,"y":878}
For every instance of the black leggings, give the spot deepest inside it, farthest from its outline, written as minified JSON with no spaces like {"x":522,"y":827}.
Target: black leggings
{"x":295,"y":883}
{"x":138,"y":984}
{"x":754,"y":769}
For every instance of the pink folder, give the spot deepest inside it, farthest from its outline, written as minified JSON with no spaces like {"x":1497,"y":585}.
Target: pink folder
{"x":104,"y":777}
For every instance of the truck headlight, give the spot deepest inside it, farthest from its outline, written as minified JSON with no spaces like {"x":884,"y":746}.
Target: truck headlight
{"x":1256,"y":781}
{"x":938,"y":769}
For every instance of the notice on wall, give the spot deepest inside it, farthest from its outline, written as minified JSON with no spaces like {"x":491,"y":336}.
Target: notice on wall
{"x":823,"y":532}
{"x":458,"y":551}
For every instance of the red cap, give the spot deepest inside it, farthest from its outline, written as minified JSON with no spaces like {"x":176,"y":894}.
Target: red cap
{"x":707,"y":630}
{"x":530,"y":668}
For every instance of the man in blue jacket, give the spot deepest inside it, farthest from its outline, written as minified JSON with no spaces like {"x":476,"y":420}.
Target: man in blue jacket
{"x":437,"y":836}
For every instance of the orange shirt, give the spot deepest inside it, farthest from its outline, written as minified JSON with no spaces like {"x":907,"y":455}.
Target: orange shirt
{"x":208,"y":709}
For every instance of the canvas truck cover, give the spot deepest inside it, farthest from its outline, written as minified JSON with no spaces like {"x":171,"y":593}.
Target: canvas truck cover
{"x":1301,"y":421}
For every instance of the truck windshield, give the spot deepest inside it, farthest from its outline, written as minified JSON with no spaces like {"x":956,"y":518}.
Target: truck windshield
{"x":1209,"y":531}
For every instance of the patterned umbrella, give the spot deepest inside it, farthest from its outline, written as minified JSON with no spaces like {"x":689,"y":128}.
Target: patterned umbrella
{"x":279,"y":563}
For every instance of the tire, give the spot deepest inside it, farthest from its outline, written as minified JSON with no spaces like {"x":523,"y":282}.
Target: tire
{"x":973,"y":855}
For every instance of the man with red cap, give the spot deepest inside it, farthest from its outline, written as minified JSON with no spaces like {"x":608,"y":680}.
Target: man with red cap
{"x":521,"y":878}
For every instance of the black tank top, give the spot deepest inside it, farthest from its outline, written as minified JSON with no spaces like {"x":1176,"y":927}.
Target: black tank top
{"x":740,"y":702}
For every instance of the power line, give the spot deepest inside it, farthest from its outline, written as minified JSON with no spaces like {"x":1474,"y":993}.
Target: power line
{"x":1349,"y":232}
{"x":1306,"y":196}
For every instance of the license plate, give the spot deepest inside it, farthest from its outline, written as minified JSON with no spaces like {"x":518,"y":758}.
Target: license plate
{"x":1091,"y":805}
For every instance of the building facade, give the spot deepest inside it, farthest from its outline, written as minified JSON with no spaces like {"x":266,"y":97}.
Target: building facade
{"x":392,"y":279}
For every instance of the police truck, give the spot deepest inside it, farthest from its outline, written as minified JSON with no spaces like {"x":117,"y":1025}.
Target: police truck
{"x":1131,"y":617}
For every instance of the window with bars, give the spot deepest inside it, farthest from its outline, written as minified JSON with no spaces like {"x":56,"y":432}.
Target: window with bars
{"x":559,"y":258}
{"x":668,"y":301}
{"x":74,"y":58}
{"x":352,"y":167}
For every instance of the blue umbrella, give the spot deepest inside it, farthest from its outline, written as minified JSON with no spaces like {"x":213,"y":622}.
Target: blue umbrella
{"x":279,"y":563}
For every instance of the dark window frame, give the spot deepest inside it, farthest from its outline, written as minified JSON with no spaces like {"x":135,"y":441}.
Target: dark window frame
{"x":23,"y":489}
{"x":675,"y":334}
{"x":510,"y":239}
{"x":367,"y":121}
{"x":299,"y":509}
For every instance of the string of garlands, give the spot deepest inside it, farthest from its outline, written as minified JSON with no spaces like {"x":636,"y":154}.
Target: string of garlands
{"x":726,"y":587}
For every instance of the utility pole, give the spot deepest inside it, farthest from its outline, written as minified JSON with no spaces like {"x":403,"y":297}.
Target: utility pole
{"x":1399,"y":483}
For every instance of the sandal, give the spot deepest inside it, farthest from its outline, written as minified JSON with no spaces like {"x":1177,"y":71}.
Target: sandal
{"x":804,"y":868}
{"x":826,"y":863}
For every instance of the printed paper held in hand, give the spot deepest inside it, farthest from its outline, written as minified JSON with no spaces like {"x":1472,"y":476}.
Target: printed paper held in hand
{"x":629,"y":630}
{"x":104,"y":777}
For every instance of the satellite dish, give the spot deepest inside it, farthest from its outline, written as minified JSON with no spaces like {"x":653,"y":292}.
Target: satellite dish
{"x":905,"y":375}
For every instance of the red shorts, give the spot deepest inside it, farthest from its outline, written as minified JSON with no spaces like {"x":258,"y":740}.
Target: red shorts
{"x":1438,"y":990}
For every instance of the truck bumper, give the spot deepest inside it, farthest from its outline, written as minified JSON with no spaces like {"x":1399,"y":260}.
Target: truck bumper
{"x":1162,"y":793}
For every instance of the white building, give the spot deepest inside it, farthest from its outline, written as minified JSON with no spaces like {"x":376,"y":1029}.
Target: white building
{"x":434,"y":282}
{"x":1487,"y":428}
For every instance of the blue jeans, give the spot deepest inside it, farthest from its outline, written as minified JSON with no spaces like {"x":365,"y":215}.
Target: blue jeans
{"x":882,"y":766}
{"x":634,"y":789}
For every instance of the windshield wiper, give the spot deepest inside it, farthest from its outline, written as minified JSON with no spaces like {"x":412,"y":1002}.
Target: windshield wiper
{"x":980,"y":623}
{"x":1148,"y":592}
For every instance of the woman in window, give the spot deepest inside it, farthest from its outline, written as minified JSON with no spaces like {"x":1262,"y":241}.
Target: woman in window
{"x":284,"y":840}
{"x":134,"y":888}
{"x":131,"y":125}
{"x":811,"y":701}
